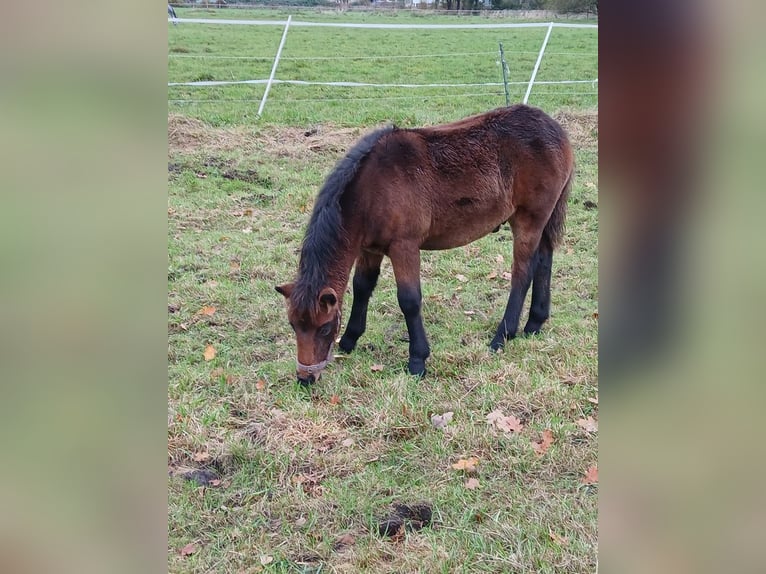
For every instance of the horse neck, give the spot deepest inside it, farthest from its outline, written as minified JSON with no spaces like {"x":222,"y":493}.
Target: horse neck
{"x":339,"y":270}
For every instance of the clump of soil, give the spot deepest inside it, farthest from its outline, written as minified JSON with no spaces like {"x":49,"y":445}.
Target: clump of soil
{"x":405,"y":517}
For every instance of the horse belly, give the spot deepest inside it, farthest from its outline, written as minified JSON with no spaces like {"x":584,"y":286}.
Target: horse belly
{"x":465,"y":226}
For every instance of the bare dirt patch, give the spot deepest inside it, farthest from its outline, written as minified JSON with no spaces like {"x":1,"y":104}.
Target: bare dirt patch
{"x":188,"y":135}
{"x":581,"y":126}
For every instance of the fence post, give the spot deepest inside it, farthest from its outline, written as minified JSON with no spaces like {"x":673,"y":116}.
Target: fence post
{"x":537,"y":64}
{"x":505,"y":75}
{"x":274,"y":67}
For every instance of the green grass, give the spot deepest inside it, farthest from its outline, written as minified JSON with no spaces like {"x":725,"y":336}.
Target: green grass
{"x":240,"y":193}
{"x":226,"y":53}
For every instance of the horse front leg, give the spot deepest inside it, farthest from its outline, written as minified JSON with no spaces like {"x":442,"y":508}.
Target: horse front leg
{"x":405,"y":259}
{"x":365,"y":278}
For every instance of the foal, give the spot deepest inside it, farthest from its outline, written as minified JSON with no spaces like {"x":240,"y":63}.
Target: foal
{"x":398,"y":191}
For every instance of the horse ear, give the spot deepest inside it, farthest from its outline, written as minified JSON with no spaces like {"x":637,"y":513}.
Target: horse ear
{"x":285,"y":289}
{"x":328,"y":299}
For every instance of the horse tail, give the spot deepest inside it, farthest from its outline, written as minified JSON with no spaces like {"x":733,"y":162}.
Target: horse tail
{"x":553,"y":233}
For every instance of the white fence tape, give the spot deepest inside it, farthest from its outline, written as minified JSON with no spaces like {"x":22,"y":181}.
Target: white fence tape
{"x":380,"y":26}
{"x":208,"y":83}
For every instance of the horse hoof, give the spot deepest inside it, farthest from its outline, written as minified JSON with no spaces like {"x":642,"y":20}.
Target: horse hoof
{"x":417,"y":368}
{"x":497,"y":344}
{"x":346,"y":345}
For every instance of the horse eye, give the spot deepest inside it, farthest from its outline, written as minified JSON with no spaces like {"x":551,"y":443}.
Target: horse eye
{"x":325,"y":329}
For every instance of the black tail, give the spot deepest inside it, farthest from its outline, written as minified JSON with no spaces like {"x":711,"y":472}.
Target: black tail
{"x":553,"y":233}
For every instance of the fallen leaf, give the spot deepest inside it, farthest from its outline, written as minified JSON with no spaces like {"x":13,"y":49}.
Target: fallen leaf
{"x":542,"y":447}
{"x":343,"y":542}
{"x":500,"y":259}
{"x":201,"y":175}
{"x":248,"y":211}
{"x":595,"y":315}
{"x":505,"y":423}
{"x":209,"y":353}
{"x":376,"y":368}
{"x":212,"y":283}
{"x":468,"y":464}
{"x":591,"y":475}
{"x":215,"y":482}
{"x":200,"y":456}
{"x":231,"y":379}
{"x":266,"y":559}
{"x":334,"y":400}
{"x":347,"y":442}
{"x":509,"y":424}
{"x":590,"y":424}
{"x":593,"y":400}
{"x":184,"y":327}
{"x":507,"y":276}
{"x":562,"y":540}
{"x":206,"y":310}
{"x":461,"y":278}
{"x":301,"y":521}
{"x":217,"y":372}
{"x":441,"y":421}
{"x":471,"y":483}
{"x":492,"y":275}
{"x":260,"y":385}
{"x":247,"y":230}
{"x":234,"y":265}
{"x":189,"y":549}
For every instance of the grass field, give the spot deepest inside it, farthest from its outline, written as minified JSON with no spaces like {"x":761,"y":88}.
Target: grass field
{"x":380,"y":56}
{"x":297,"y":481}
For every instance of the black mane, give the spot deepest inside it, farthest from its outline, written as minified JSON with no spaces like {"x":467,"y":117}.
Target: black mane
{"x":325,"y":235}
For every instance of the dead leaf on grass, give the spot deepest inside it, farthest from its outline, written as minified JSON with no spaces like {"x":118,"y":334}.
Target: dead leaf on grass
{"x":492,"y":275}
{"x":200,"y":456}
{"x":441,"y":421}
{"x":206,"y":310}
{"x":593,"y":400}
{"x":247,"y":230}
{"x":189,"y":549}
{"x":334,"y":400}
{"x":467,"y":464}
{"x":507,"y":276}
{"x":461,"y":278}
{"x":343,"y":542}
{"x":265,"y":559}
{"x":209,"y":353}
{"x":542,"y":447}
{"x":347,"y":442}
{"x":590,"y":424}
{"x":376,"y":368}
{"x":217,"y":372}
{"x":561,"y":540}
{"x":260,"y":385}
{"x":234,"y":265}
{"x":591,"y":475}
{"x":471,"y":483}
{"x":506,"y":424}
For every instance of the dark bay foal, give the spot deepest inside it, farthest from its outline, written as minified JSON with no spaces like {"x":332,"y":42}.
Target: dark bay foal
{"x":398,"y":191}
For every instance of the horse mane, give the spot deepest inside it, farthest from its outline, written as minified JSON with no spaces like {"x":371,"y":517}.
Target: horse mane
{"x":325,"y":236}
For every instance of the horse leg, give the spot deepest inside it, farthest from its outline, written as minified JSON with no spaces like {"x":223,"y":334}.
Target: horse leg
{"x":405,"y":259}
{"x":540,"y":307}
{"x":526,"y":238}
{"x":365,"y":279}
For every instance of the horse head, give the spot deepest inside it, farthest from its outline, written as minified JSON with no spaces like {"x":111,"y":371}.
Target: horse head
{"x":316,"y":323}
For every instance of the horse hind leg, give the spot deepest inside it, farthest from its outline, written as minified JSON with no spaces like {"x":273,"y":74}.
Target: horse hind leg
{"x":540,"y":307}
{"x":527,"y":232}
{"x":365,"y":279}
